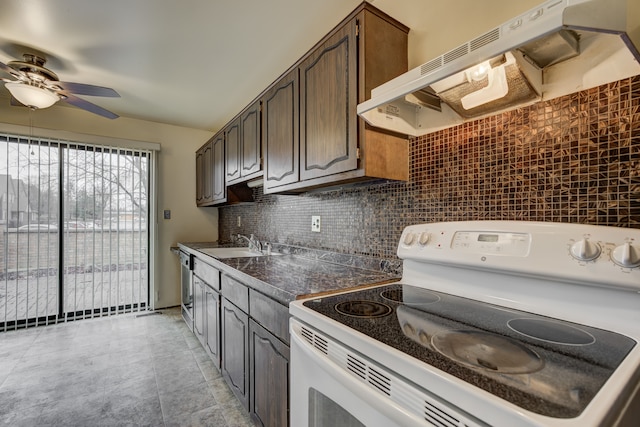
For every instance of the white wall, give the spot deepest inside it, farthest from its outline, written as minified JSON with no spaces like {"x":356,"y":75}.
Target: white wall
{"x":438,"y":26}
{"x":176,"y":176}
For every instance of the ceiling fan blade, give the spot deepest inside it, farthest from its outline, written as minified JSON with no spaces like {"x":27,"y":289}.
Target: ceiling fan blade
{"x":88,"y":106}
{"x":82,"y":89}
{"x":7,"y":69}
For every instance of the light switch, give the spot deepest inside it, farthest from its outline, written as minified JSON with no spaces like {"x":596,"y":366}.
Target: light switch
{"x":167,"y":214}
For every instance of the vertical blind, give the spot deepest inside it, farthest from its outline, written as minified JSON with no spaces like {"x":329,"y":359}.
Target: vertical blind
{"x":74,"y":225}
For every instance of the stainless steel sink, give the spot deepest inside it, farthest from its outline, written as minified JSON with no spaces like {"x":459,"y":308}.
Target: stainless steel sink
{"x":222,"y":253}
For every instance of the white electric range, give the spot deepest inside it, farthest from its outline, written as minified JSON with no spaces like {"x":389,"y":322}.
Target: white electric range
{"x":502,"y":323}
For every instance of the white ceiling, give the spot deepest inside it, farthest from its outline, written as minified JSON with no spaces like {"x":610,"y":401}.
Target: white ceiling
{"x":192,"y":63}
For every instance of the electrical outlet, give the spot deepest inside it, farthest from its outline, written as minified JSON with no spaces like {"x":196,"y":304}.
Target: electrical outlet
{"x":167,"y":214}
{"x":239,"y":221}
{"x":315,"y":223}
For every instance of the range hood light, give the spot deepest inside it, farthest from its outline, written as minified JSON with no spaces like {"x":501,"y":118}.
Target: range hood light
{"x":479,"y":72}
{"x":497,"y":86}
{"x":496,"y":89}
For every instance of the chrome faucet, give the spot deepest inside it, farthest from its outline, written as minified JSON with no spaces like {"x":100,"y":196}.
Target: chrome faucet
{"x":254,"y":244}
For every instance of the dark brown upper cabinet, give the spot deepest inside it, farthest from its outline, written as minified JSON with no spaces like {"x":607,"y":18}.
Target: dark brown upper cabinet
{"x":280,"y":132}
{"x":306,"y":123}
{"x":333,"y":145}
{"x":204,"y":174}
{"x":211,"y":164}
{"x":328,"y":99}
{"x":232,"y":137}
{"x":251,"y":142}
{"x":210,"y":186}
{"x":219,"y":185}
{"x":243,"y":139}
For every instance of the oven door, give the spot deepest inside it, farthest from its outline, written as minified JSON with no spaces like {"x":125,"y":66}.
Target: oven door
{"x":323,"y":394}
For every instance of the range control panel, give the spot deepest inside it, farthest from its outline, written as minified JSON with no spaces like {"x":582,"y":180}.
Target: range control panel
{"x":607,"y":256}
{"x":496,"y":243}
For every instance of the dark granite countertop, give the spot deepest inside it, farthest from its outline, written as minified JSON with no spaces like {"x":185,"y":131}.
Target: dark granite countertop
{"x":299,"y":272}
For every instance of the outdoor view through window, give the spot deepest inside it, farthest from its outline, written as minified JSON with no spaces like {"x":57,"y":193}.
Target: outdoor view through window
{"x":73,"y":226}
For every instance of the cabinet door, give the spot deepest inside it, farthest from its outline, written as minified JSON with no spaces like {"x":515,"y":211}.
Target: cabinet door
{"x":219,"y":192}
{"x":232,"y":141}
{"x":208,"y":176}
{"x":212,"y":306}
{"x":269,"y":378}
{"x":235,"y":351}
{"x":280,"y":132}
{"x":328,"y":99}
{"x":250,"y":158}
{"x":199,"y":325}
{"x":204,"y":174}
{"x":199,"y":176}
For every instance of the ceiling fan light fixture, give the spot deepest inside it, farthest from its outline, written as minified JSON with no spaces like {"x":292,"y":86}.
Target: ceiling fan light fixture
{"x":32,"y":96}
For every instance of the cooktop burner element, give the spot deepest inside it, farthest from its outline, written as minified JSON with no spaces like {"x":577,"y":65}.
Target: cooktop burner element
{"x":394,"y":295}
{"x":489,"y":351}
{"x":416,"y":297}
{"x":368,"y":309}
{"x":551,"y":331}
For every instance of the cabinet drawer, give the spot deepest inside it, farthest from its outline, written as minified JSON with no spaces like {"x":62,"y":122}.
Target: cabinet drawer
{"x":235,"y":292}
{"x":207,"y":273}
{"x":269,"y":313}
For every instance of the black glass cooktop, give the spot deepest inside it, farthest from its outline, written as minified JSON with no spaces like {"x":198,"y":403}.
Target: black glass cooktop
{"x":544,"y":365}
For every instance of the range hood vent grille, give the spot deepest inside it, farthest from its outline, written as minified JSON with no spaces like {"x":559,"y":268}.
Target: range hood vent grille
{"x":430,"y":66}
{"x":457,"y":53}
{"x":484,"y":40}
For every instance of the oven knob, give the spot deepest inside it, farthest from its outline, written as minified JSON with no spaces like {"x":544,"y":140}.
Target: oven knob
{"x":626,"y":255}
{"x":409,"y":239}
{"x":584,"y":250}
{"x":424,"y":239}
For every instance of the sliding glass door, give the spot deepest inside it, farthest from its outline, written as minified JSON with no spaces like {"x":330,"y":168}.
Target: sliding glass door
{"x":73,"y":221}
{"x":29,"y":213}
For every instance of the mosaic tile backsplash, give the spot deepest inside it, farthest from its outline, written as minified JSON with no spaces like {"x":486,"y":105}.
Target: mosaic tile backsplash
{"x":572,"y":159}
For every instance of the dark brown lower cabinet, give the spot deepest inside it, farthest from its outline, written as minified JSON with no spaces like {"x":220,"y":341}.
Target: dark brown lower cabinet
{"x":212,"y":307}
{"x":235,"y":350}
{"x":246,"y":334}
{"x":269,"y":378}
{"x":199,"y":316}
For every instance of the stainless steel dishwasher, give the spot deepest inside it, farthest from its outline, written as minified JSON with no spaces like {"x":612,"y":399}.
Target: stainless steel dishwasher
{"x":186,"y":283}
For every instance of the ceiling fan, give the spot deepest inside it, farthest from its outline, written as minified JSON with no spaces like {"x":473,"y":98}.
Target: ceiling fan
{"x":35,"y":86}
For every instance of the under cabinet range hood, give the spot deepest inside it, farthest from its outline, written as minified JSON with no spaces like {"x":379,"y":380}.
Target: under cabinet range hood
{"x":557,"y":48}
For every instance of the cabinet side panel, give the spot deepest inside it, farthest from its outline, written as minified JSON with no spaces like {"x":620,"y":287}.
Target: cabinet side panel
{"x":383,"y":52}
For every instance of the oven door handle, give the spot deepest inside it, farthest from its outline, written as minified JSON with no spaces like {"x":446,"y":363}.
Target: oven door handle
{"x":363,"y":391}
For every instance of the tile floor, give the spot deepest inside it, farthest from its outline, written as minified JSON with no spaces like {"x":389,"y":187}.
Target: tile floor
{"x":117,"y":371}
